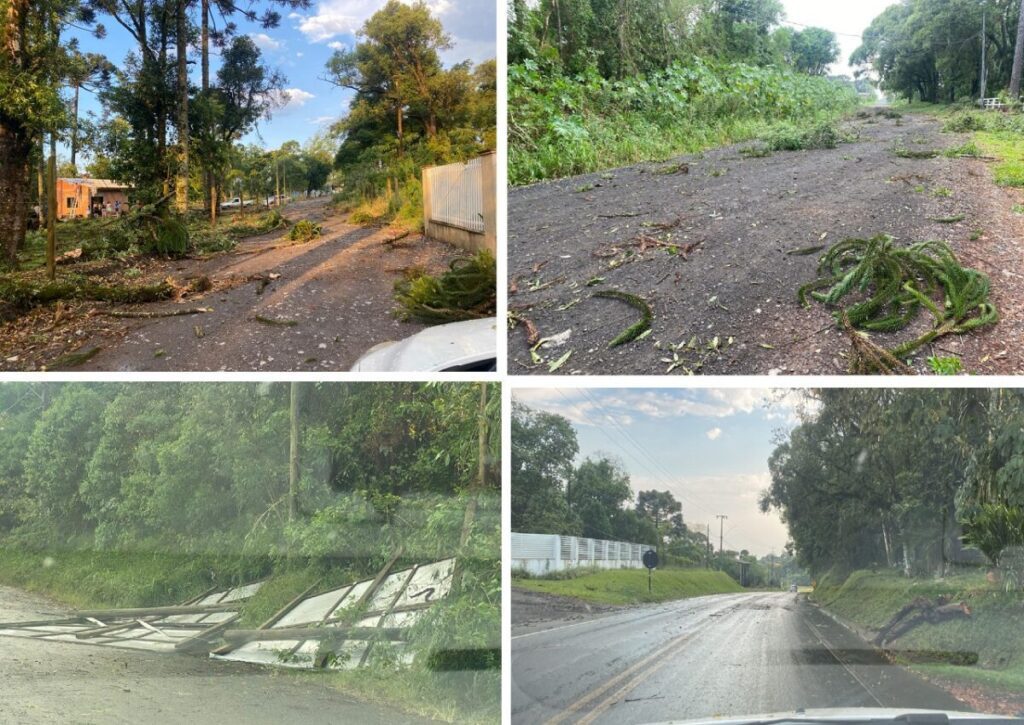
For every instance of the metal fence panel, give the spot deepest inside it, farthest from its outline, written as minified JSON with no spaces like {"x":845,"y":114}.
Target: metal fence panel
{"x":456,"y":195}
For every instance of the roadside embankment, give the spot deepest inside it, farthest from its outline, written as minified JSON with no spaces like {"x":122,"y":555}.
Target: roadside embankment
{"x":629,"y":586}
{"x":978,"y":657}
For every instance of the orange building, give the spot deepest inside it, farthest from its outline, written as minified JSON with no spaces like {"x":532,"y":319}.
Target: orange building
{"x":79,"y":198}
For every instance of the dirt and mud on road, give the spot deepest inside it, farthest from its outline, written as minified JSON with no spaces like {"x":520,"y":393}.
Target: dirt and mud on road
{"x":724,"y":290}
{"x":537,"y":608}
{"x":61,"y":682}
{"x":273,"y":305}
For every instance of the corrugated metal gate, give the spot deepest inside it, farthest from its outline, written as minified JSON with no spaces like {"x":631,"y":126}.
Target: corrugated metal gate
{"x":460,"y":203}
{"x":456,"y":195}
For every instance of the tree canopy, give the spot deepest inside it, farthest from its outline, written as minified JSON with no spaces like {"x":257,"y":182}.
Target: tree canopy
{"x":930,"y":50}
{"x":902,"y":478}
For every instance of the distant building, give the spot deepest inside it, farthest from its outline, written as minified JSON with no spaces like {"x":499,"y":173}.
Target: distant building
{"x":84,"y":197}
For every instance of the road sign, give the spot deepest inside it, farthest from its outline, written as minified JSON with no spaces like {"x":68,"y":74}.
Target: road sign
{"x":651,"y":559}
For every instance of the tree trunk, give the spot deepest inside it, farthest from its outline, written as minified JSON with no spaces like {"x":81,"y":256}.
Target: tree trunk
{"x":475,"y":488}
{"x":1018,"y":57}
{"x":205,"y":43}
{"x":74,"y":128}
{"x":214,"y":200}
{"x":182,"y":178}
{"x":51,"y":213}
{"x":906,"y":559}
{"x":293,"y":449}
{"x":41,"y":183}
{"x":15,"y":151}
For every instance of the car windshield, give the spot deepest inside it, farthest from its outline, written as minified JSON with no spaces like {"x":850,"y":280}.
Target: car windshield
{"x":249,"y":552}
{"x":731,"y":553}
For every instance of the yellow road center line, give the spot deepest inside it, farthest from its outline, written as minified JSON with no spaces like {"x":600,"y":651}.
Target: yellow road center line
{"x":619,"y":694}
{"x":627,"y":673}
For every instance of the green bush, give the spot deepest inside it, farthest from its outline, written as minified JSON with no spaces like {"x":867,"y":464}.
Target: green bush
{"x":560,"y":125}
{"x":304,"y":231}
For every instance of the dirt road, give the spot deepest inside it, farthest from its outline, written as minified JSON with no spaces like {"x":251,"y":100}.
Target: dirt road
{"x":276,"y":306}
{"x":59,"y":682}
{"x":729,"y":306}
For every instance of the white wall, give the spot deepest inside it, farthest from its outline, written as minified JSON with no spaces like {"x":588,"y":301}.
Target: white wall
{"x":541,"y":554}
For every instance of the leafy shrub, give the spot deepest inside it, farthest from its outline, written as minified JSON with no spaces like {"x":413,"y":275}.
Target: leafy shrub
{"x":560,"y":125}
{"x":372,"y":211}
{"x":788,"y":137}
{"x":254,"y":226}
{"x":965,"y":123}
{"x":945,"y":365}
{"x":304,"y":231}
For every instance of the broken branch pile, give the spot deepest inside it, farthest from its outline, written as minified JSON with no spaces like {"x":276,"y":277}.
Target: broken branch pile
{"x":893,"y":283}
{"x":25,"y":294}
{"x":467,"y":291}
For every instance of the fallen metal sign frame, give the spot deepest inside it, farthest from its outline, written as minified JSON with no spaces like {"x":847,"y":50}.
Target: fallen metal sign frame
{"x":336,"y":629}
{"x":154,"y":629}
{"x":340,"y":628}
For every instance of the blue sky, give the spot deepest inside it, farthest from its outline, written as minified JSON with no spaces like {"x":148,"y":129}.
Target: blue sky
{"x":300,"y":47}
{"x":710,"y":448}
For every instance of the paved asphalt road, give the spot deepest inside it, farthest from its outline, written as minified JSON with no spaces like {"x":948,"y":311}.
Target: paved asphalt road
{"x":731,"y":654}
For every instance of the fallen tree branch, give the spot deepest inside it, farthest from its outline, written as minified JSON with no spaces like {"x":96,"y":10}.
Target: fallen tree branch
{"x":921,"y":611}
{"x":154,"y":315}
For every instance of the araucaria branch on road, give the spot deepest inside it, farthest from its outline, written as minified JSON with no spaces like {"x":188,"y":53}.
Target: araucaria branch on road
{"x":893,"y":283}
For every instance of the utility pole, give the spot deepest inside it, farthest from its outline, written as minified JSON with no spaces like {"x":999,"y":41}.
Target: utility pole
{"x":707,"y":548}
{"x":721,"y":525}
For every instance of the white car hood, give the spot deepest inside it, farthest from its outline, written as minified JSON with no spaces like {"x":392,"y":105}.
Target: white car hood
{"x":436,"y":348}
{"x":840,"y":715}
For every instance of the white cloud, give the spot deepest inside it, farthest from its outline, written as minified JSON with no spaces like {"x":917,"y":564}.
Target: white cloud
{"x":299,"y":55}
{"x":714,"y":433}
{"x":624,"y":406}
{"x":336,"y":45}
{"x":321,"y":120}
{"x":265,"y":42}
{"x":290,"y":99}
{"x":345,"y":17}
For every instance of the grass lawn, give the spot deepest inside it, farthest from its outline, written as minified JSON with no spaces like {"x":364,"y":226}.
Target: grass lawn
{"x":1008,"y":147}
{"x":629,"y":586}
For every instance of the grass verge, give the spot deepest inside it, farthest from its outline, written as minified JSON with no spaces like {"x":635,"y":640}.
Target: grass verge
{"x":1008,"y":147}
{"x":869,"y":599}
{"x":629,"y":586}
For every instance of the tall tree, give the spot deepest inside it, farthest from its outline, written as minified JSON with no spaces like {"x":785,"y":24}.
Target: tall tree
{"x":32,"y":63}
{"x":1018,"y":56}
